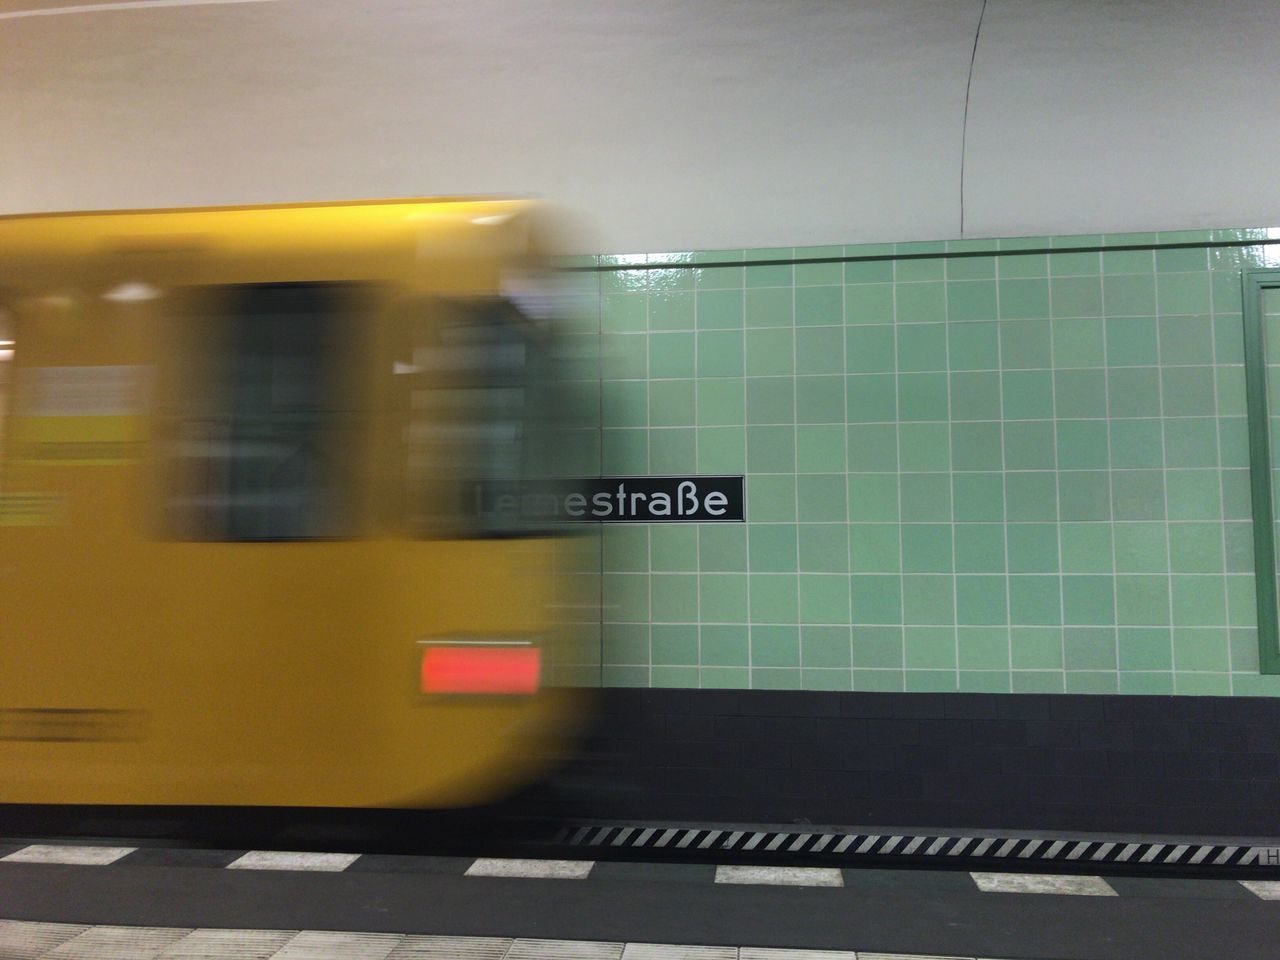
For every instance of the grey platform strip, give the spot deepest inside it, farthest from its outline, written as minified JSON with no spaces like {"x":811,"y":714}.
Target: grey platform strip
{"x":34,"y":941}
{"x":852,"y":846}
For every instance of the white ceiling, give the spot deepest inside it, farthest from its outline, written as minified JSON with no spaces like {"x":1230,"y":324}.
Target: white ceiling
{"x":668,"y":124}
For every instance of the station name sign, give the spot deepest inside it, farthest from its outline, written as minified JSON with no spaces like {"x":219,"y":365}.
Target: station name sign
{"x":619,"y":500}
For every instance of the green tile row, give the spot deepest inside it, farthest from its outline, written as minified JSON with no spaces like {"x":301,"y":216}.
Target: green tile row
{"x":939,"y":648}
{"x":910,"y":262}
{"x":944,"y":598}
{"x":978,"y":547}
{"x":945,"y":681}
{"x":989,"y":346}
{"x":1194,"y":340}
{"x":1122,"y":394}
{"x":921,"y":301}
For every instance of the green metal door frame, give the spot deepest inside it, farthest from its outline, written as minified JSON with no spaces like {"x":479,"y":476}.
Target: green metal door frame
{"x":1255,"y":377}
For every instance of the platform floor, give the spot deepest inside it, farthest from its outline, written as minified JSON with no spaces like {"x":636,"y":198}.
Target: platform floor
{"x":23,"y":940}
{"x":101,"y":902}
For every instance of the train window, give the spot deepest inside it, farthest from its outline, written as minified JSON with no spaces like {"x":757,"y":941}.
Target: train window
{"x":481,"y":434}
{"x":261,"y":419}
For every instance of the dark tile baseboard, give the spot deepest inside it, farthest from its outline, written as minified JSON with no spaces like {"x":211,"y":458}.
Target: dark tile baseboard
{"x":1156,"y":765}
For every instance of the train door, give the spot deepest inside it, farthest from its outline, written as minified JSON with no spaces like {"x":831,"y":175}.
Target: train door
{"x":76,"y":372}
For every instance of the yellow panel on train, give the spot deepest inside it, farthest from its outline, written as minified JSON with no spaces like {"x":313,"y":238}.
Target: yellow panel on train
{"x":237,"y":564}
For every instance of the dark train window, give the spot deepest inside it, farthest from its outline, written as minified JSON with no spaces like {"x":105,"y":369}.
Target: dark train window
{"x":482,"y":444}
{"x":261,"y":416}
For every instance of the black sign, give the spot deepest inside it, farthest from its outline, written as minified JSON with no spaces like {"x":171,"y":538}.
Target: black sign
{"x":618,"y":500}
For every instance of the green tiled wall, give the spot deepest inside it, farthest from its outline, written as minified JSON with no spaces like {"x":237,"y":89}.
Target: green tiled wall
{"x":1004,"y":472}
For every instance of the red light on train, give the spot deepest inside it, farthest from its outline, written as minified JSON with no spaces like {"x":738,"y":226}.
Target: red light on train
{"x":481,"y":669}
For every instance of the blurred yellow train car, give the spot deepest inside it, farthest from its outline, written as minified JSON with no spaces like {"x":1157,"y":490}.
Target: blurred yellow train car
{"x":242,"y":559}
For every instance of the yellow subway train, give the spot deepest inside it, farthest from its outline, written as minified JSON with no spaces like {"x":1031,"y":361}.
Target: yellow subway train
{"x":242,"y":560}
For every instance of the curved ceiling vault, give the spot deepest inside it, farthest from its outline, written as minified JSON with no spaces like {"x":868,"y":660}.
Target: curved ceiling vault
{"x":668,"y":124}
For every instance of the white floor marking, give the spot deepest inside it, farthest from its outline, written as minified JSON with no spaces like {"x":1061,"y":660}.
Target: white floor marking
{"x":23,"y":940}
{"x":1264,"y":889}
{"x":564,"y":950}
{"x":1042,"y":883}
{"x":118,"y":943}
{"x":905,"y":956}
{"x":451,"y":948}
{"x":675,"y":951}
{"x":80,"y":856}
{"x":540,"y":869}
{"x":115,"y":5}
{"x":324,"y":945}
{"x":781,"y":876}
{"x":783,"y":953}
{"x":286,"y":860}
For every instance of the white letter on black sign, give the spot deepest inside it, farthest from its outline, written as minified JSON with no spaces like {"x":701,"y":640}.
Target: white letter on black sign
{"x":716,"y":499}
{"x":686,"y":492}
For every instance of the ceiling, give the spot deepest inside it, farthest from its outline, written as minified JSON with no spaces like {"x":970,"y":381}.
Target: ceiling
{"x":667,"y":125}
